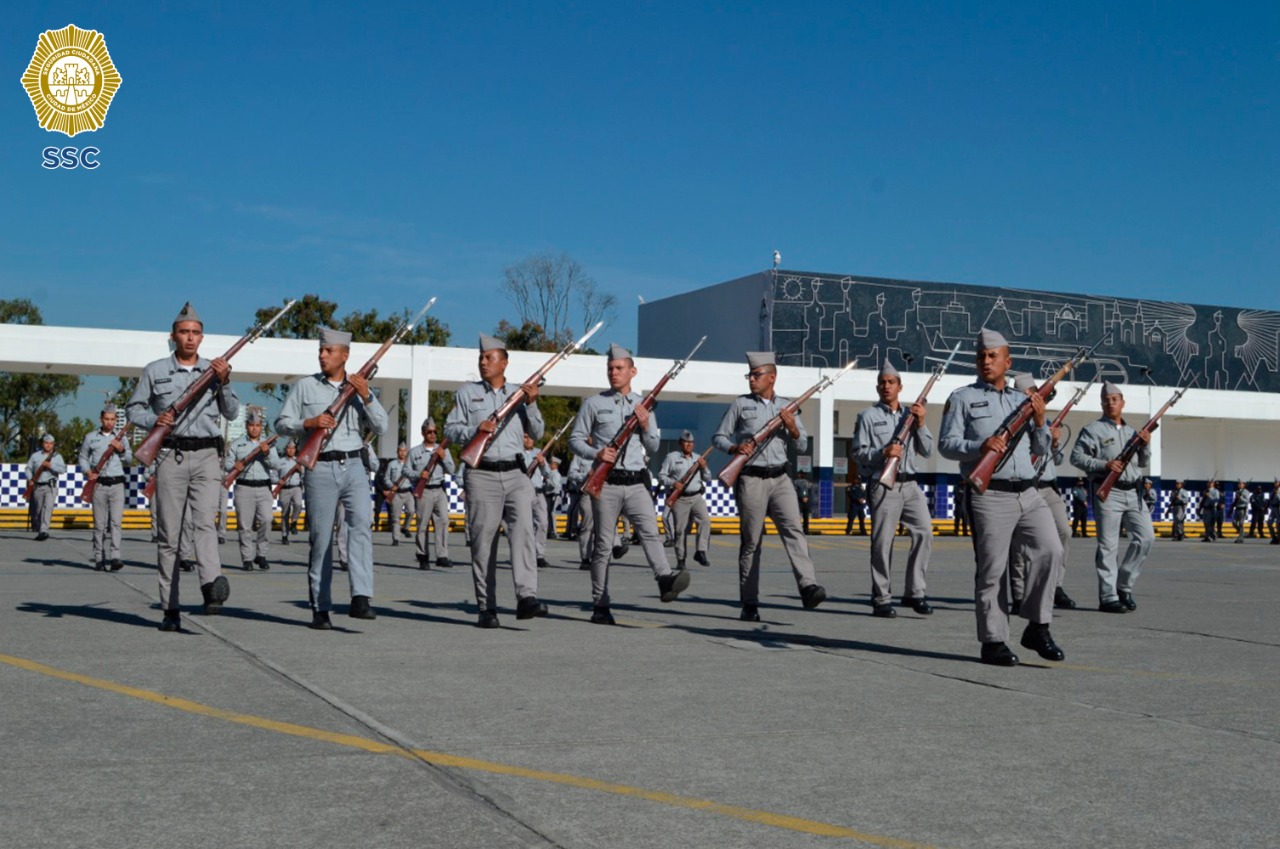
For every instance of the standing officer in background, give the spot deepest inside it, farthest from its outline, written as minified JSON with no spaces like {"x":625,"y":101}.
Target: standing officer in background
{"x":1011,"y":512}
{"x":1258,"y":513}
{"x":763,"y":488}
{"x":498,"y":489}
{"x":339,"y":483}
{"x":1210,"y":510}
{"x":1080,"y":509}
{"x":856,"y":506}
{"x":399,"y":494}
{"x":1179,"y":501}
{"x":803,"y":490}
{"x":690,"y":506}
{"x":903,"y":502}
{"x":538,"y":480}
{"x":189,"y":476}
{"x":290,"y":493}
{"x":626,"y":490}
{"x":1097,"y":447}
{"x":253,"y":493}
{"x":108,"y":493}
{"x":1240,"y":510}
{"x":46,"y":490}
{"x":433,"y":506}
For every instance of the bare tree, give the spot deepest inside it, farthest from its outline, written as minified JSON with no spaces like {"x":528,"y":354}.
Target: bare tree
{"x":556,"y":294}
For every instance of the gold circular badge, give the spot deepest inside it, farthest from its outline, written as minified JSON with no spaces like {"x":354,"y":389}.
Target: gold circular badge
{"x":71,"y":80}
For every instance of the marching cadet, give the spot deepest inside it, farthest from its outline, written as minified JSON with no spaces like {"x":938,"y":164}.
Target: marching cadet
{"x":399,"y":494}
{"x":189,"y":477}
{"x":1011,"y":511}
{"x":626,"y":490}
{"x":1240,"y":510}
{"x":691,"y":505}
{"x":903,"y":502}
{"x":764,"y":489}
{"x":433,"y":506}
{"x":1179,"y":501}
{"x":252,"y":492}
{"x":44,"y":467}
{"x":290,"y":492}
{"x":498,"y":489}
{"x":1095,"y":453}
{"x":584,"y":520}
{"x":339,"y":483}
{"x":1210,"y":510}
{"x":108,"y":491}
{"x":538,"y":480}
{"x":1080,"y":509}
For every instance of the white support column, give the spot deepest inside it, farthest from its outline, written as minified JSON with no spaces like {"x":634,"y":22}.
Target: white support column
{"x":1157,"y":450}
{"x":420,"y":392}
{"x":824,"y":441}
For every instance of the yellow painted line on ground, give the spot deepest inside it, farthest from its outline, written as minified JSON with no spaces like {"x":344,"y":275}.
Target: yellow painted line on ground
{"x":768,"y":818}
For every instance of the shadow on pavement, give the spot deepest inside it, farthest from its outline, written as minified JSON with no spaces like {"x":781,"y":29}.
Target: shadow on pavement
{"x":87,"y":611}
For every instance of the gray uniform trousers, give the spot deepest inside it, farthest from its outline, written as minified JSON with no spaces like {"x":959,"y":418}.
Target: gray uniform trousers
{"x":401,"y":511}
{"x":586,"y":528}
{"x":539,"y":525}
{"x":1001,"y":521}
{"x":495,"y":499}
{"x":187,"y":541}
{"x":108,"y":514}
{"x":1122,"y":508}
{"x":433,"y":506}
{"x":905,"y":503}
{"x":192,"y":487}
{"x":290,"y":508}
{"x":42,"y":501}
{"x":340,"y":538}
{"x":775,"y":498}
{"x":679,"y":516}
{"x":334,"y":488}
{"x":636,"y":503}
{"x":253,"y":520}
{"x":1018,"y":557}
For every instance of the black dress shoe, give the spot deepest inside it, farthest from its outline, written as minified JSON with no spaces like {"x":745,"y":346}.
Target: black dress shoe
{"x":602,"y":616}
{"x":1039,"y":640}
{"x":360,"y":608}
{"x":1062,"y":601}
{"x":443,"y":562}
{"x":542,"y":563}
{"x":284,"y":540}
{"x":1127,"y":600}
{"x":919,"y":605}
{"x":1112,"y":607}
{"x":99,"y":567}
{"x":998,"y":654}
{"x":701,"y":557}
{"x":680,"y":564}
{"x":187,"y":565}
{"x":261,"y":563}
{"x":247,"y":566}
{"x":341,"y":565}
{"x":672,"y":584}
{"x":529,"y":607}
{"x":41,"y":537}
{"x":884,"y":611}
{"x":320,"y":621}
{"x":750,"y":613}
{"x":488,"y":619}
{"x":1015,"y":607}
{"x":215,"y":593}
{"x":619,"y":551}
{"x":812,"y":596}
{"x":172,"y":622}
{"x":666,"y":543}
{"x":117,"y":565}
{"x":585,"y":564}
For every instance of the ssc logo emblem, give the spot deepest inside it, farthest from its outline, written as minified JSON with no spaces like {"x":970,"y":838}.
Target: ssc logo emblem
{"x":71,"y":80}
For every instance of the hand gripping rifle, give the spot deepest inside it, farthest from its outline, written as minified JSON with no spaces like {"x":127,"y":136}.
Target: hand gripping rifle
{"x":151,"y":446}
{"x":1062,"y":416}
{"x":258,"y":450}
{"x":31,"y":484}
{"x":889,"y":476}
{"x":686,"y":479}
{"x":86,"y":494}
{"x":729,"y":476}
{"x":594,"y":484}
{"x":474,"y":452}
{"x":318,"y":438}
{"x":1135,"y":442}
{"x":279,"y":487}
{"x":542,"y":455}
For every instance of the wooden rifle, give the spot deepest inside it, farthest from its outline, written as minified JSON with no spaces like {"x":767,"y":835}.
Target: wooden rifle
{"x":474,"y":452}
{"x":686,"y":479}
{"x":279,"y":487}
{"x":889,"y":476}
{"x":1134,"y":444}
{"x":258,"y":450}
{"x":154,"y":440}
{"x":434,"y":460}
{"x":729,"y":476}
{"x":599,"y":474}
{"x":86,"y":494}
{"x":1062,"y":416}
{"x":542,"y":455}
{"x":31,"y":484}
{"x":309,"y":453}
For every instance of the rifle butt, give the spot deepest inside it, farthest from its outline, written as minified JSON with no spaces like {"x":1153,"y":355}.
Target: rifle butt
{"x":419,"y":488}
{"x":890,"y":474}
{"x":474,"y":452}
{"x":309,"y":453}
{"x":276,"y":490}
{"x":86,"y":494}
{"x":729,"y":475}
{"x":1104,"y":488}
{"x":594,"y":484}
{"x":150,"y":447}
{"x":149,"y":491}
{"x":980,"y":477}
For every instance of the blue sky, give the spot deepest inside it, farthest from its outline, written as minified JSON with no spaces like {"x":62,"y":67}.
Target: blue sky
{"x":381,"y":155}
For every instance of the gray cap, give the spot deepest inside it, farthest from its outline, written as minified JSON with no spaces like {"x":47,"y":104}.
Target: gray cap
{"x":686,"y":436}
{"x":755,"y":359}
{"x":402,"y":447}
{"x":889,"y":369}
{"x":253,"y":418}
{"x":188,"y":313}
{"x":1109,"y":388}
{"x":291,"y":444}
{"x":48,"y":437}
{"x":329,"y":336}
{"x":988,"y":339}
{"x":555,"y":461}
{"x":1024,"y":381}
{"x":491,"y":343}
{"x":428,"y":422}
{"x":109,"y":408}
{"x":617,"y":352}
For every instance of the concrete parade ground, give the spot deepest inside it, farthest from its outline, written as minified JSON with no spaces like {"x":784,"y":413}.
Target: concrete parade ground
{"x":680,"y":727}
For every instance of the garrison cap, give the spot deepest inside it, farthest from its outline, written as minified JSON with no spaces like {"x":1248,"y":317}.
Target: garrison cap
{"x":253,"y":418}
{"x":888,"y":368}
{"x":1024,"y":381}
{"x":617,"y":352}
{"x":188,"y":313}
{"x":48,"y":437}
{"x":686,"y":436}
{"x":491,"y":343}
{"x":1109,"y":388}
{"x":402,"y":447}
{"x":755,"y":359}
{"x":988,"y":339}
{"x":555,"y":461}
{"x":428,"y":422}
{"x":109,"y":408}
{"x":329,"y":336}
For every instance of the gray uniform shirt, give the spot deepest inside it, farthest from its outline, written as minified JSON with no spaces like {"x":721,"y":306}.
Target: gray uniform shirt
{"x":539,"y":476}
{"x":1102,"y":441}
{"x":94,"y":446}
{"x":295,"y":479}
{"x":56,"y":467}
{"x":746,"y":415}
{"x":475,"y":402}
{"x":396,"y":470}
{"x":579,"y":469}
{"x":420,"y":455}
{"x":973,"y":414}
{"x":875,"y":428}
{"x":674,"y":466}
{"x":600,"y":417}
{"x":553,"y":482}
{"x":261,"y":467}
{"x":311,"y":396}
{"x":163,"y":382}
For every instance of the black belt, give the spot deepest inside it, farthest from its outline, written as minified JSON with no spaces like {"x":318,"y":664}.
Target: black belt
{"x":46,"y":483}
{"x":764,"y":471}
{"x":499,"y":465}
{"x":290,"y":486}
{"x":690,"y":494}
{"x":193,"y":443}
{"x":252,"y":483}
{"x":334,"y":456}
{"x":406,"y":489}
{"x":434,"y":486}
{"x":1046,"y":485}
{"x":1010,"y":486}
{"x":110,"y":481}
{"x":619,"y":477}
{"x":1125,"y":486}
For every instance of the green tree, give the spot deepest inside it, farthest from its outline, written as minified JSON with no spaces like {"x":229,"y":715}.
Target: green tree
{"x":29,"y":402}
